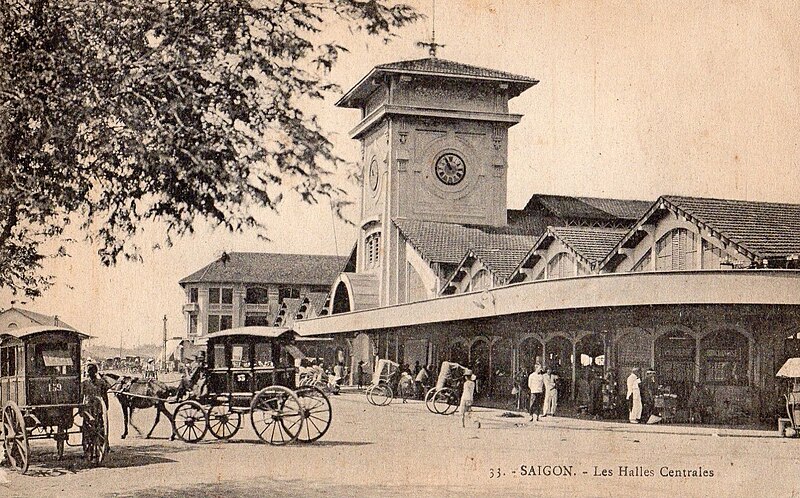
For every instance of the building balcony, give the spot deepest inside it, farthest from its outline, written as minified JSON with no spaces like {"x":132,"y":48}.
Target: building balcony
{"x":257,"y":308}
{"x":191,"y":308}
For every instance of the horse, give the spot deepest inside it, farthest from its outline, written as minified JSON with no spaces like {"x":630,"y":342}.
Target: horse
{"x":154,"y":393}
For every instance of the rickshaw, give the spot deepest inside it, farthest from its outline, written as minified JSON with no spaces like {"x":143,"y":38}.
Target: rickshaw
{"x":791,"y":370}
{"x":444,"y":397}
{"x":249,"y":372}
{"x":40,"y":390}
{"x":379,"y":392}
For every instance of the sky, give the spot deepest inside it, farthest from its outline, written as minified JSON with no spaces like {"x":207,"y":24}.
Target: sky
{"x":635,"y":100}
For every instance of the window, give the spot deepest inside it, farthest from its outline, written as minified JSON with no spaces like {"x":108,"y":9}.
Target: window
{"x":8,"y":361}
{"x":256,"y":295}
{"x":227,"y":296}
{"x":676,"y":251}
{"x":55,"y":359}
{"x":643,"y":264}
{"x":219,"y":361}
{"x":562,"y":265}
{"x":481,"y":280}
{"x":193,"y":294}
{"x":219,"y":322}
{"x":288,"y":293}
{"x":240,"y":356}
{"x":372,"y":245}
{"x":712,"y":256}
{"x":192,"y":325}
{"x":256,"y":319}
{"x":213,"y":295}
{"x":263,"y":355}
{"x":724,"y":358}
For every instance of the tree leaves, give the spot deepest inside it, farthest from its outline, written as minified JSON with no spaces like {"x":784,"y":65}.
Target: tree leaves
{"x":121,"y":112}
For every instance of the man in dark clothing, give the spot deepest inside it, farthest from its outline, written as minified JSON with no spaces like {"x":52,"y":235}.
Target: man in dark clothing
{"x":360,"y":374}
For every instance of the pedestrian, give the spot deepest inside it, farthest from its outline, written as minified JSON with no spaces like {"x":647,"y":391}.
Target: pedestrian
{"x":550,"y":393}
{"x":467,"y":397}
{"x":150,"y":369}
{"x":648,"y":390}
{"x":95,"y":385}
{"x":634,"y":396}
{"x":419,"y":382}
{"x":360,"y":374}
{"x":536,"y":385}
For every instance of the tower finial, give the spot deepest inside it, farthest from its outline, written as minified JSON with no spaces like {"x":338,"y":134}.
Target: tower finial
{"x":432,"y":45}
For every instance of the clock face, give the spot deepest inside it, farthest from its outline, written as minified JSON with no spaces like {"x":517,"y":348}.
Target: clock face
{"x":450,"y":169}
{"x":373,"y":175}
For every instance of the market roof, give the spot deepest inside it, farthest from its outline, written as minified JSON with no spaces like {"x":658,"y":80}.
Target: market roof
{"x":40,"y":318}
{"x":40,"y":329}
{"x":499,"y":262}
{"x":589,"y":207}
{"x":592,"y":244}
{"x":448,"y":242}
{"x":266,"y":268}
{"x":435,"y":67}
{"x":765,"y":229}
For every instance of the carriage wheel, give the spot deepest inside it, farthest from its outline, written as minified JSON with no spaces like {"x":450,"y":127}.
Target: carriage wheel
{"x":94,"y":430}
{"x":445,"y":401}
{"x":317,"y":413}
{"x":222,"y":422}
{"x":190,"y":421}
{"x":380,"y":395}
{"x":429,"y":399}
{"x":15,"y":437}
{"x":368,"y":393}
{"x":276,"y":415}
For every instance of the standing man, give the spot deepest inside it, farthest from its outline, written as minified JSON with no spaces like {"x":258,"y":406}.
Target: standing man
{"x":634,"y":396}
{"x":360,"y":374}
{"x":467,"y":398}
{"x":419,"y":382}
{"x":536,"y":385}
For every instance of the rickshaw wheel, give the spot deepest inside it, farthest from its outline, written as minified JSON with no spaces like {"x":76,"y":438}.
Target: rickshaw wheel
{"x":15,"y":437}
{"x":190,"y":421}
{"x":382,"y":395}
{"x":276,"y":415}
{"x":94,"y":430}
{"x":429,"y":399}
{"x":444,"y":402}
{"x":317,"y":413}
{"x":222,"y":422}
{"x":368,"y":392}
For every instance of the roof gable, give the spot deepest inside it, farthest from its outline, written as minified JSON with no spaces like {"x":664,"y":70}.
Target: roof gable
{"x":270,"y":268}
{"x":39,"y":318}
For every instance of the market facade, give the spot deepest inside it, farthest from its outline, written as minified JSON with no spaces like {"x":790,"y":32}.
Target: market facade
{"x":704,"y":291}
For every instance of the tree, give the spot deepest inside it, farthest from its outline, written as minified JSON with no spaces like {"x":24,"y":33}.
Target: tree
{"x":119,"y":112}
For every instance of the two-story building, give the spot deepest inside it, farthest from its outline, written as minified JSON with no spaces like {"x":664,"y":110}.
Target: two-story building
{"x":242,"y":288}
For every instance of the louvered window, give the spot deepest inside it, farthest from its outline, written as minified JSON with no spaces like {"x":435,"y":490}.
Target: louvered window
{"x":562,"y":265}
{"x":712,"y":256}
{"x":676,"y":251}
{"x":372,"y":246}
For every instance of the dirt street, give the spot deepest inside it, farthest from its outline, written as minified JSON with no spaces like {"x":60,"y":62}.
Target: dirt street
{"x":403,"y":450}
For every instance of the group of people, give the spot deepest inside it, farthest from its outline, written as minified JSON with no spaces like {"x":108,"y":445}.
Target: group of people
{"x":641,"y":393}
{"x":542,"y":383}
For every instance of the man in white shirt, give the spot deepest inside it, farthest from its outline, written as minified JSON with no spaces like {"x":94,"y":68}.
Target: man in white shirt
{"x":634,"y":396}
{"x":536,"y":385}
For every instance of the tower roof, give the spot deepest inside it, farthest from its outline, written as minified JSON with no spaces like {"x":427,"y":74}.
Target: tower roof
{"x":434,"y":67}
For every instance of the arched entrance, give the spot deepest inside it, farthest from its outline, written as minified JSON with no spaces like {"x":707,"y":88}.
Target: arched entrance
{"x":591,"y":359}
{"x":559,"y":358}
{"x":530,"y":349}
{"x":502,"y":374}
{"x":341,"y":299}
{"x":675,"y":354}
{"x":458,"y":352}
{"x":479,"y":362}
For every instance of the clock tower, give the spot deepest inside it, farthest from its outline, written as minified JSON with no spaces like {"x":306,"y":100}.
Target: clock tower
{"x":434,"y":147}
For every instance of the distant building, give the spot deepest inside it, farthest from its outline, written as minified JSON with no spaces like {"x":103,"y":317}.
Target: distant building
{"x":14,"y":318}
{"x":243,"y":289}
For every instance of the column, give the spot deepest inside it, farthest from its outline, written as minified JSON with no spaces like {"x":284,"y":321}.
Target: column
{"x":574,"y":367}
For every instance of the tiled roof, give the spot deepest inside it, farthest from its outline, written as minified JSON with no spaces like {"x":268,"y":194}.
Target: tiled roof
{"x":448,"y":242}
{"x":764,"y":228}
{"x":434,"y":65}
{"x":275,"y":268}
{"x":590,"y":207}
{"x":42,"y":319}
{"x":501,"y":262}
{"x":593,"y":244}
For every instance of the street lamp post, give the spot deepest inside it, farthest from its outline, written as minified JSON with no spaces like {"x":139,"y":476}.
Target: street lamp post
{"x":164,"y":364}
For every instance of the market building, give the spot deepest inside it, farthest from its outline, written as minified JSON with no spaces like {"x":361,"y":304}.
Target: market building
{"x":702,"y":290}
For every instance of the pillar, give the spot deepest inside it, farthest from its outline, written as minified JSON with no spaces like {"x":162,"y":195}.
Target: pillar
{"x":574,"y":367}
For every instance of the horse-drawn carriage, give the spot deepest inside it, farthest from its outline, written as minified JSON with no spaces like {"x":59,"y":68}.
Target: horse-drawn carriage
{"x":444,"y":397}
{"x":41,"y":394}
{"x":249,"y":371}
{"x":380,"y":392}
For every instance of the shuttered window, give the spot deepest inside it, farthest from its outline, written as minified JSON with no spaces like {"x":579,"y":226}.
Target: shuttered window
{"x":644,"y":263}
{"x":562,"y":265}
{"x":372,"y":250}
{"x":676,"y":251}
